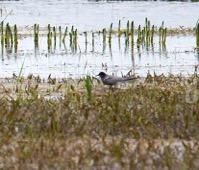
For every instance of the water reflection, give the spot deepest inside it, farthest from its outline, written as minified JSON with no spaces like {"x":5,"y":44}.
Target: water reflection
{"x":95,"y":51}
{"x":76,"y":54}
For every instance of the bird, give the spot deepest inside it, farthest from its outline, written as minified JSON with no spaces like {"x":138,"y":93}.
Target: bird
{"x":113,"y":80}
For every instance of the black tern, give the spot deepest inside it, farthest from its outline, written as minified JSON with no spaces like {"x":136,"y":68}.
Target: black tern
{"x":113,"y":80}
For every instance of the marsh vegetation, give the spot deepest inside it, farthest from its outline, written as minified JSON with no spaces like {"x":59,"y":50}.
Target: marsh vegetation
{"x":56,"y":114}
{"x":82,"y":124}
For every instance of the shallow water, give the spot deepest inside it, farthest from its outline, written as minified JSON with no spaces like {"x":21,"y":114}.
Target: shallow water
{"x":90,"y":15}
{"x":178,"y":57}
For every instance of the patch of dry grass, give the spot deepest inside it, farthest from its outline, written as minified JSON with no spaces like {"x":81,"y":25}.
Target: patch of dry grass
{"x":152,"y":123}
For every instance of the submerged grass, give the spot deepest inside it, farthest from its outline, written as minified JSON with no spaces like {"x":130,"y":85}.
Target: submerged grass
{"x":139,"y":36}
{"x":152,"y":123}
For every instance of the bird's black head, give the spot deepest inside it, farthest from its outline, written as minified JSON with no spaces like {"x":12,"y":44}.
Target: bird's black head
{"x":102,"y":74}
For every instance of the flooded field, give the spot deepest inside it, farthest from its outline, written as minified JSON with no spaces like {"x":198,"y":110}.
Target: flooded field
{"x":178,"y":55}
{"x":55,"y":113}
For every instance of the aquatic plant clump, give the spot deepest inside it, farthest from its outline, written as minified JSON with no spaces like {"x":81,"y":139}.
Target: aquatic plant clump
{"x":9,"y":37}
{"x":132,"y":34}
{"x":153,"y":122}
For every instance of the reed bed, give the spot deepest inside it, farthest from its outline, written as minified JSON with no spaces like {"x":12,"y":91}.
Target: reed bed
{"x":140,"y":36}
{"x":152,"y":123}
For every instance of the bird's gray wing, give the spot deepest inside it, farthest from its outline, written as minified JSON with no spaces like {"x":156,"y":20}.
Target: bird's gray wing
{"x":113,"y":80}
{"x":110,"y":80}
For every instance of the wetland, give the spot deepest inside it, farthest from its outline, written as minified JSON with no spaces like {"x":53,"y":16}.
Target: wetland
{"x":56,"y":114}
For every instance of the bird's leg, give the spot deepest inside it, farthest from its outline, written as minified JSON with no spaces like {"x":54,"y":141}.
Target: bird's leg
{"x":111,"y":88}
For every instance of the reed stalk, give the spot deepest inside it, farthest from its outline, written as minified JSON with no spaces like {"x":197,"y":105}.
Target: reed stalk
{"x":65,"y":34}
{"x":119,"y":28}
{"x":86,"y":37}
{"x":75,"y":40}
{"x":127,"y":34}
{"x":127,"y":28}
{"x":152,"y":33}
{"x":11,"y":36}
{"x":70,"y":38}
{"x":86,"y":40}
{"x":72,"y":29}
{"x":7,"y":36}
{"x":2,"y":34}
{"x":148,"y":31}
{"x":197,"y":35}
{"x":104,"y":35}
{"x":49,"y":37}
{"x":36,"y":35}
{"x":165,"y":35}
{"x":146,"y":23}
{"x":132,"y":33}
{"x":55,"y":36}
{"x":93,"y":41}
{"x":110,"y":33}
{"x":104,"y":39}
{"x":160,"y":34}
{"x":60,"y":36}
{"x":139,"y":34}
{"x":15,"y":38}
{"x":142,"y":34}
